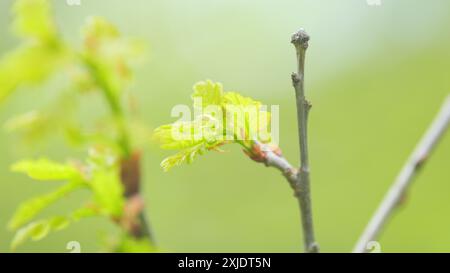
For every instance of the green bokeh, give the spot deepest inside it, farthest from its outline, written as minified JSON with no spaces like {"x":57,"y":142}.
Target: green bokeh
{"x":376,"y":76}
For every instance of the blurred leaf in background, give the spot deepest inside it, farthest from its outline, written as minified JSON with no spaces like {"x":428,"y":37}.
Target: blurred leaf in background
{"x":104,"y":62}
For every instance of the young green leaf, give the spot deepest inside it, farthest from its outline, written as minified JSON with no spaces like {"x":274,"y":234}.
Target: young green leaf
{"x":35,"y":230}
{"x":108,"y":191}
{"x":34,"y":19}
{"x":55,"y":117}
{"x":33,"y":22}
{"x":19,"y":66}
{"x":186,"y":155}
{"x":84,"y":212}
{"x":189,"y":145}
{"x":46,"y":170}
{"x":29,"y":209}
{"x":38,"y":230}
{"x":107,"y":55}
{"x":59,"y":223}
{"x":209,"y":92}
{"x":236,"y":99}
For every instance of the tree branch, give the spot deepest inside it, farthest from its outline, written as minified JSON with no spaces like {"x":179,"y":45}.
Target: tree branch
{"x":265,"y":154}
{"x":405,"y":177}
{"x":135,"y":223}
{"x":300,"y":41}
{"x":272,"y":158}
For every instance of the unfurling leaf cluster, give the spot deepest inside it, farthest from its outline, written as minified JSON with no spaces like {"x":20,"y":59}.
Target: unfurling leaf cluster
{"x":224,"y":117}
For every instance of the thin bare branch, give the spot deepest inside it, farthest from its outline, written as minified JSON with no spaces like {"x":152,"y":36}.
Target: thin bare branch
{"x":300,"y":40}
{"x":405,"y":177}
{"x":298,"y":180}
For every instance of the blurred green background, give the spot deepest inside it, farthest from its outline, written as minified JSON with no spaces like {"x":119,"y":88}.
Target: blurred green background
{"x":376,"y":76}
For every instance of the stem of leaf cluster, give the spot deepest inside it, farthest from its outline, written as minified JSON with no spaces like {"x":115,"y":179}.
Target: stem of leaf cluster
{"x":271,"y":159}
{"x":130,"y":164}
{"x":404,"y":179}
{"x":116,"y":109}
{"x":300,"y":41}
